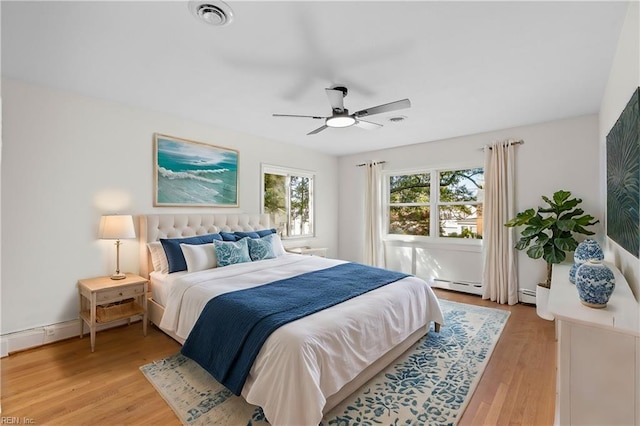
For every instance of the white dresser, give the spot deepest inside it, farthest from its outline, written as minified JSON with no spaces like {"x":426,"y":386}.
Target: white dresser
{"x":598,"y":370}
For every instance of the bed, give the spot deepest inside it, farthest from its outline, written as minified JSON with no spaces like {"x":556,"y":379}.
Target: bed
{"x":307,"y":366}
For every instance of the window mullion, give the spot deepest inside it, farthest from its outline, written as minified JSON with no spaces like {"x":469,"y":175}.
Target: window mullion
{"x":287,"y":183}
{"x":434,"y":196}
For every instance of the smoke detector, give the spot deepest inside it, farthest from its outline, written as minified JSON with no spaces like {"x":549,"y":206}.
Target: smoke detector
{"x":216,"y":13}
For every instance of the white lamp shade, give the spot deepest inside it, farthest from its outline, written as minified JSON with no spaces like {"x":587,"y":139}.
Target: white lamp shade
{"x":115,"y":227}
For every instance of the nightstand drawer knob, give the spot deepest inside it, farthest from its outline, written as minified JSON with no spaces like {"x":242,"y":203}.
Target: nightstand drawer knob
{"x":120,"y":293}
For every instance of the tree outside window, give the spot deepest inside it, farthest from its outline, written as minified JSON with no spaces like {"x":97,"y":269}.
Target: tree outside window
{"x":409,"y":205}
{"x":460,"y":203}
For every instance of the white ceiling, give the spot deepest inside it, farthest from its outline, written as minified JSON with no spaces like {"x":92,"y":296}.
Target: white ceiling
{"x":467,"y":67}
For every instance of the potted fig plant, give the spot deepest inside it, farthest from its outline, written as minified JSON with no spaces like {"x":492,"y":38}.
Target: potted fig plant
{"x":549,"y":234}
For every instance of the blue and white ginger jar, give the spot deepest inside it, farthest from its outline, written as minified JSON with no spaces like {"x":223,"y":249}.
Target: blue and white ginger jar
{"x":595,"y":283}
{"x":588,"y":249}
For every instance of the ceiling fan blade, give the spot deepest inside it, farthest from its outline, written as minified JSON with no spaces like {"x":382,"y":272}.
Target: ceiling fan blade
{"x":336,"y":99}
{"x":318,"y":130}
{"x":303,"y":116}
{"x":367,"y":125}
{"x":391,"y":106}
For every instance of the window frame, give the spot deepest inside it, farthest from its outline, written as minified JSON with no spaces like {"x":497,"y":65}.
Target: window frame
{"x":434,"y":205}
{"x":288,"y":172}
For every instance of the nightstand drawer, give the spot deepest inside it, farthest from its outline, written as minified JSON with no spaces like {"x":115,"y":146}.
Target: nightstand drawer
{"x":120,"y":293}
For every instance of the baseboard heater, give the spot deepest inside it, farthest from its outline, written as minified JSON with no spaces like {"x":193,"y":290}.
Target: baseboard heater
{"x":463,"y":286}
{"x":528,"y":296}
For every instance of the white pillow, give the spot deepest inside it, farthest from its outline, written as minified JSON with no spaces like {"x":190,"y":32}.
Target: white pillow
{"x":199,"y":256}
{"x":276,"y":242}
{"x":158,"y":257}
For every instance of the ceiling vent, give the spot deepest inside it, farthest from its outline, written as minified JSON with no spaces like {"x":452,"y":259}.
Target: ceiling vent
{"x":397,"y":118}
{"x":216,"y":13}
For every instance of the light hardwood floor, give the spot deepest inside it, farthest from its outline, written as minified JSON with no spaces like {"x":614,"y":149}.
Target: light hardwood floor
{"x":65,"y":383}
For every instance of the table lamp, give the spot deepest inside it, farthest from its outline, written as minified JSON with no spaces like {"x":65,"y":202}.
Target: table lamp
{"x":116,"y":227}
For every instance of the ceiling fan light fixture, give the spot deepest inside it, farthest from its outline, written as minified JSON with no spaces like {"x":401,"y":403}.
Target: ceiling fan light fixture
{"x":340,"y":117}
{"x":341,"y":120}
{"x":216,"y":13}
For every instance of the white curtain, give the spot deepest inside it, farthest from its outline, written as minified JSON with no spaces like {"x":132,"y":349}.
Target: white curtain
{"x":373,"y":249}
{"x":500,"y":275}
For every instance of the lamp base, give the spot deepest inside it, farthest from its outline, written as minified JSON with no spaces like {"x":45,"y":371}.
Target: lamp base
{"x":118,"y":276}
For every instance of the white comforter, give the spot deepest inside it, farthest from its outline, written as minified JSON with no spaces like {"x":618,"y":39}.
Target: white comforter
{"x":306,"y":361}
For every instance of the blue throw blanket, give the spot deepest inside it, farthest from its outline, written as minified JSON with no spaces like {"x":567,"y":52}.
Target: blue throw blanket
{"x":232,"y":327}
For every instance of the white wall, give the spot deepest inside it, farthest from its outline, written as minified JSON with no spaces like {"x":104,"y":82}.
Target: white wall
{"x":561,"y":154}
{"x":624,"y":78}
{"x":68,"y":159}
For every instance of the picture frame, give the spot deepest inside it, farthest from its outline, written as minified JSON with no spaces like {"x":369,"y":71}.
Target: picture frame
{"x":623,"y":178}
{"x":193,"y":174}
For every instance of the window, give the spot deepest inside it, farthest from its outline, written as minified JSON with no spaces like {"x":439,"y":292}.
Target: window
{"x":451,"y":207}
{"x":288,"y":199}
{"x":409,"y":205}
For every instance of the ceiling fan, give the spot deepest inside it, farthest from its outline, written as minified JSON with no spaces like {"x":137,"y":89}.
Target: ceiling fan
{"x":340,"y":116}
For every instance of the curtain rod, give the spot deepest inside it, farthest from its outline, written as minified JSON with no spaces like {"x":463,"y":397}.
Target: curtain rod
{"x":369,"y":164}
{"x":518,"y":142}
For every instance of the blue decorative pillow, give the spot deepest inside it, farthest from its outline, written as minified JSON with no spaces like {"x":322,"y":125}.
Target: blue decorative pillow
{"x":228,"y":236}
{"x":172,"y":249}
{"x":240,"y":234}
{"x":230,"y":252}
{"x":265,"y":232}
{"x":261,"y":248}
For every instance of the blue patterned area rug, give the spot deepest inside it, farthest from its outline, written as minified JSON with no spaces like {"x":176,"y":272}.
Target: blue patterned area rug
{"x":430,"y":384}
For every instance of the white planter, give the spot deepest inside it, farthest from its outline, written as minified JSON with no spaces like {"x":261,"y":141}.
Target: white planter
{"x":542,"y":303}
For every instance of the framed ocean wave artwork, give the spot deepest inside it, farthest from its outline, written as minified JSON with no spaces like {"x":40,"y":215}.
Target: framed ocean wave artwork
{"x":188,"y":173}
{"x":623,"y":178}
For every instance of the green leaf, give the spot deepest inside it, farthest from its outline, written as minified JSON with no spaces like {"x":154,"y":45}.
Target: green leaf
{"x":546,"y":210}
{"x":531,"y":231}
{"x":566,"y":243}
{"x":580,"y":230}
{"x":566,"y":225}
{"x":586,"y":220}
{"x":521,"y":218}
{"x":537,"y":220}
{"x":553,"y":254}
{"x":571,"y":214}
{"x":560,"y":196}
{"x":535,"y":251}
{"x":568,"y":205}
{"x":548,"y":222}
{"x":545,"y":198}
{"x":523,"y":243}
{"x":542,"y":239}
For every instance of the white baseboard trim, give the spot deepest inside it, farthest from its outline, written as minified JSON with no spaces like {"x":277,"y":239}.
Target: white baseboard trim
{"x":27,"y":339}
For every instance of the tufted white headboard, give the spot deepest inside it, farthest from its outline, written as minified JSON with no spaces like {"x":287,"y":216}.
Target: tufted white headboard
{"x":156,"y":226}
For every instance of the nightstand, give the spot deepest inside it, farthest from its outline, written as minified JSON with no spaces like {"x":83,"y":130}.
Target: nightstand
{"x":309,"y":251}
{"x":103,"y":300}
